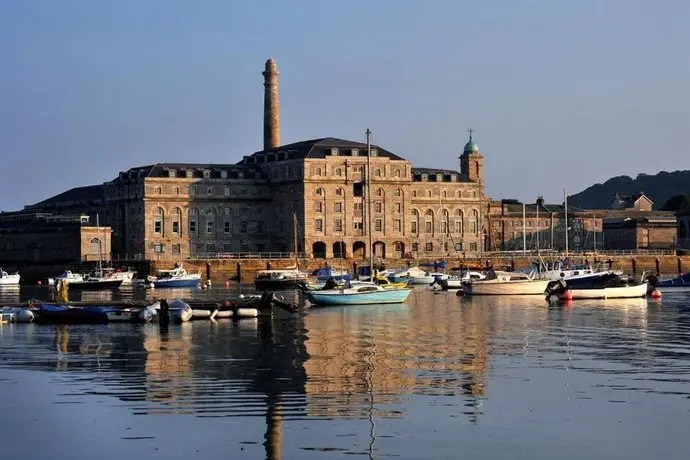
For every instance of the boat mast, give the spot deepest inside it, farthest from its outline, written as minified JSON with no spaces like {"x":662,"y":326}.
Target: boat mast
{"x":565,"y":204}
{"x":294,"y":237}
{"x":538,"y":227}
{"x":100,"y":248}
{"x":369,"y":229}
{"x":524,"y":230}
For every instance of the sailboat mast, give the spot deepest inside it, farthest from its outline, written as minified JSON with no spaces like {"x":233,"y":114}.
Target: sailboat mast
{"x":565,"y":204}
{"x":369,"y":228}
{"x":524,"y":230}
{"x":538,"y":227}
{"x":294,"y":237}
{"x":100,"y":247}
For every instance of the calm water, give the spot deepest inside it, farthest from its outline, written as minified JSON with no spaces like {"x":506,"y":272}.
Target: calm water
{"x":440,"y":377}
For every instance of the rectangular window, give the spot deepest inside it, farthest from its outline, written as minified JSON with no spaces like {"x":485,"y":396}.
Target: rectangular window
{"x":318,"y":206}
{"x":444,"y":246}
{"x":357,"y":225}
{"x":260,"y":247}
{"x":427,"y":227}
{"x":338,"y":225}
{"x":378,"y":225}
{"x":209,"y":191}
{"x":192,"y":190}
{"x":226,"y":226}
{"x":158,"y":248}
{"x":444,"y":227}
{"x":358,"y":206}
{"x":244,"y":245}
{"x":338,"y":207}
{"x":209,"y":227}
{"x":318,"y":225}
{"x":192,"y":227}
{"x":414,"y":226}
{"x":377,"y":207}
{"x":415,"y":247}
{"x":226,"y":191}
{"x":176,"y":227}
{"x":243,"y":226}
{"x":429,"y":247}
{"x":458,"y":226}
{"x":157,"y":227}
{"x":260,"y":227}
{"x":227,"y":247}
{"x":398,"y":207}
{"x":210,"y":247}
{"x":473,"y":227}
{"x":176,"y":248}
{"x":398,"y":225}
{"x":473,"y":246}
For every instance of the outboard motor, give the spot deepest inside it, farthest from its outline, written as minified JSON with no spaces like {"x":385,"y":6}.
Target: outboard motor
{"x":556,"y":286}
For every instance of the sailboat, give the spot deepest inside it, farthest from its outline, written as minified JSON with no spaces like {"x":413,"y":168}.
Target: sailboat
{"x":286,"y":278}
{"x":360,"y":293}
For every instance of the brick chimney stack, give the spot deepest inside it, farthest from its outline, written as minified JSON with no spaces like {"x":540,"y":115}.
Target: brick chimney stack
{"x":271,"y":106}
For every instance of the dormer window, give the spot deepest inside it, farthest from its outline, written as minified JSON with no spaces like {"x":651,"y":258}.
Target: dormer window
{"x":439,"y":177}
{"x":171,"y":173}
{"x":240,"y":175}
{"x":355,"y":152}
{"x":453,"y":177}
{"x":425,"y":176}
{"x":207,"y":173}
{"x":334,"y":151}
{"x":189,"y":173}
{"x":223,"y":174}
{"x":374,"y":152}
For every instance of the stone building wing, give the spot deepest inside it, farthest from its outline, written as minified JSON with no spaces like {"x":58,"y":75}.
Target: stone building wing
{"x":88,"y":195}
{"x":438,"y":175}
{"x":318,"y":149}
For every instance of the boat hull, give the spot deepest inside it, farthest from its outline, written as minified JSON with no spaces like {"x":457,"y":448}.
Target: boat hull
{"x":360,"y":298}
{"x":278,"y":284}
{"x":594,"y":279}
{"x":94,"y":285}
{"x":10,"y":280}
{"x":177,"y":283}
{"x":619,"y":292}
{"x":493,"y":287}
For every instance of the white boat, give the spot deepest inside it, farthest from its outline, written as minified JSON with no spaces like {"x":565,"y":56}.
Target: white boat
{"x":361,"y":293}
{"x":506,"y":283}
{"x":456,"y":282}
{"x":8,"y":280}
{"x":416,"y":275}
{"x":67,"y":276}
{"x":177,"y":278}
{"x":16,"y":314}
{"x":617,"y":292}
{"x":127,"y":276}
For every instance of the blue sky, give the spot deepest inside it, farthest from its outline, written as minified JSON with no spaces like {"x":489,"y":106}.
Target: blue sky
{"x":560,"y":93}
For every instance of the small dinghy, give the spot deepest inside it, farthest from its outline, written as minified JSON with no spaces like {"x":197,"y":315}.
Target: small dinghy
{"x":17,"y":314}
{"x":180,"y":311}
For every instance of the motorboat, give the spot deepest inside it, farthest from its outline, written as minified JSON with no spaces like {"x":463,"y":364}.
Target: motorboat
{"x":87,"y":281}
{"x":456,"y":281}
{"x":620,"y":289}
{"x":680,"y":281}
{"x":506,"y":283}
{"x":288,"y":278}
{"x":176,"y":278}
{"x":8,"y":280}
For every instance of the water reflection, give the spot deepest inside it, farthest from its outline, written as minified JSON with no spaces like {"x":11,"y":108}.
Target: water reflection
{"x":368,"y":363}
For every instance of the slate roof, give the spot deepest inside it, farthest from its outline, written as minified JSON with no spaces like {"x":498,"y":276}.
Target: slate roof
{"x":162,"y":170}
{"x":318,"y":148}
{"x":78,"y":195}
{"x":432,"y":172}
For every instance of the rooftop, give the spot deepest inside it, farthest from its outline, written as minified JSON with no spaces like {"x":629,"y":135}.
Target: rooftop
{"x":318,"y":148}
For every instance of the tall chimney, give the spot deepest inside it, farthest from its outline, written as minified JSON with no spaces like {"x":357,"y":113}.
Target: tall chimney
{"x":271,"y":106}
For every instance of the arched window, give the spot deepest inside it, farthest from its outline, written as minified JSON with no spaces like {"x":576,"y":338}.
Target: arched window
{"x":340,"y":192}
{"x":474,"y":221}
{"x":429,"y":221}
{"x":338,"y":172}
{"x":320,"y":192}
{"x":459,"y":226}
{"x":317,"y":171}
{"x":397,"y":173}
{"x":379,"y":192}
{"x":177,"y":221}
{"x":445,"y":224}
{"x":415,"y":222}
{"x":95,"y":246}
{"x":397,"y":192}
{"x":428,"y":193}
{"x":158,"y":216}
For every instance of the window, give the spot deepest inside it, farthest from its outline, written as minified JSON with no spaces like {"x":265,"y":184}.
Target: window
{"x":357,"y":225}
{"x":209,"y":226}
{"x":378,"y":225}
{"x":379,"y":192}
{"x":210,"y":247}
{"x":427,"y":227}
{"x":243,"y":226}
{"x":444,"y":194}
{"x":209,"y":191}
{"x":396,"y":173}
{"x":177,"y":190}
{"x":318,"y":225}
{"x":398,"y":207}
{"x":414,"y":193}
{"x":444,"y":246}
{"x":226,"y":191}
{"x":176,"y":248}
{"x":227,"y":247}
{"x":377,"y":173}
{"x":338,"y":172}
{"x":260,"y":227}
{"x":207,"y":173}
{"x":157,"y":226}
{"x":176,"y":227}
{"x":429,"y":247}
{"x":338,"y":225}
{"x":397,"y":192}
{"x":414,"y":226}
{"x":358,"y":206}
{"x":318,"y":206}
{"x":158,"y":248}
{"x":444,"y":227}
{"x":415,"y":247}
{"x":244,"y":212}
{"x":428,"y":193}
{"x":340,"y":192}
{"x":398,"y":225}
{"x":223,"y":174}
{"x":473,"y":246}
{"x":244,"y":245}
{"x":226,"y":211}
{"x":192,"y":227}
{"x":159,"y":190}
{"x":319,"y":191}
{"x":192,"y":190}
{"x":338,"y":207}
{"x":226,"y":226}
{"x":377,"y":207}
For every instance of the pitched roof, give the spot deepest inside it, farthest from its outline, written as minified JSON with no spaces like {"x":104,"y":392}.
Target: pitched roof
{"x":163,"y":170}
{"x":320,"y":148}
{"x":74,"y":196}
{"x":432,"y":172}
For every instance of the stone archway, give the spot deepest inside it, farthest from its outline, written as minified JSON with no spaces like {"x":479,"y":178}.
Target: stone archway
{"x":339,"y":250}
{"x":380,"y":249}
{"x":399,"y":248}
{"x":318,"y":250}
{"x":359,"y":250}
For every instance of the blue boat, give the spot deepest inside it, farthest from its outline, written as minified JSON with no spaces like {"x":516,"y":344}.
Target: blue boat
{"x":324,"y":273}
{"x":358,"y":294}
{"x":680,"y":281}
{"x":176,"y":278}
{"x":65,"y":314}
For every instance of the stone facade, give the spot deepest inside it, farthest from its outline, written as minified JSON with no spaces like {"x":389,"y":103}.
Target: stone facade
{"x":683,"y":230}
{"x":640,"y":233}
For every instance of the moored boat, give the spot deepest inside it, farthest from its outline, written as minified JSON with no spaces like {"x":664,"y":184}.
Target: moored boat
{"x":680,"y":281}
{"x":603,"y":292}
{"x":363,"y":293}
{"x":288,"y":278}
{"x":506,"y":283}
{"x":177,"y":278}
{"x":8,"y":280}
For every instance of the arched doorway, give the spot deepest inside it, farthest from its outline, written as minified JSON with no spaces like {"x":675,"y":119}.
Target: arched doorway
{"x":339,"y":250}
{"x":318,"y":250}
{"x":399,"y":248}
{"x":380,"y":249}
{"x":359,"y":250}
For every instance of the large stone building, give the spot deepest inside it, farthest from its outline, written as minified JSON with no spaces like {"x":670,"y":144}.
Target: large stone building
{"x":310,"y":192}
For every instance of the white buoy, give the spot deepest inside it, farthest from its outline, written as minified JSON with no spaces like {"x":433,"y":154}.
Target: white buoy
{"x":247,"y":312}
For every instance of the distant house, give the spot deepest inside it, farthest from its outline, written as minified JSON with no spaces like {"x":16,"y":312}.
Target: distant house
{"x":637,"y":202}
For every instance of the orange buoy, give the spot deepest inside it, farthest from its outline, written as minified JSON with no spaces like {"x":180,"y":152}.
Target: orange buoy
{"x":567,"y":295}
{"x":656,"y":294}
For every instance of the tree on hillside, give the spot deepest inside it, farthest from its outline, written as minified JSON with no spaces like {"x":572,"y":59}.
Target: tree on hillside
{"x":677,"y":203}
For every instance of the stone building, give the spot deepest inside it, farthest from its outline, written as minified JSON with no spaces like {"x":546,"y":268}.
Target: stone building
{"x":648,"y":231}
{"x":513,"y":226}
{"x":45,"y":238}
{"x":311,"y":191}
{"x":683,"y":229}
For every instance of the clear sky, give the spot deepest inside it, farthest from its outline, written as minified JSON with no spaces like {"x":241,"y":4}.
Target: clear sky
{"x":561,"y":93}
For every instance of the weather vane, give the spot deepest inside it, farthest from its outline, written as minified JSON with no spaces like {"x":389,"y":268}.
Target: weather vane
{"x":470,"y":130}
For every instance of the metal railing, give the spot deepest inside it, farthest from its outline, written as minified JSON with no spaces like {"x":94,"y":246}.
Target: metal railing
{"x":246,"y":255}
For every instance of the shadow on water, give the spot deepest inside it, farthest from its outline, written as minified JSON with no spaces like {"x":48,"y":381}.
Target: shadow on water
{"x":368,"y":363}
